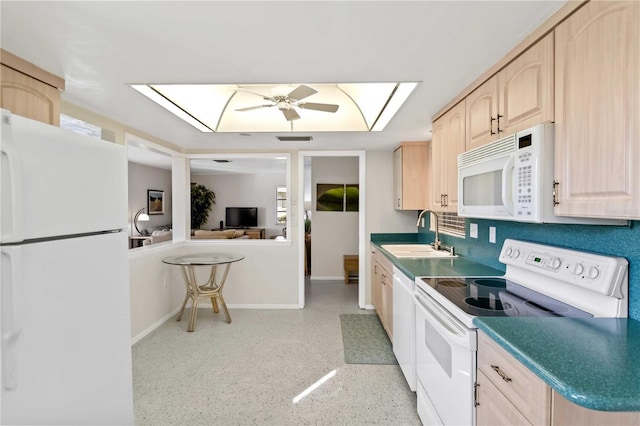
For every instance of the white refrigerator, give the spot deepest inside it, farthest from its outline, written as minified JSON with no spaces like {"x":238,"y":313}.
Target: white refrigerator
{"x":64,"y":300}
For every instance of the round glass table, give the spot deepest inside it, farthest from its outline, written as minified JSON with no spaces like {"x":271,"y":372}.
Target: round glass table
{"x":211,"y":289}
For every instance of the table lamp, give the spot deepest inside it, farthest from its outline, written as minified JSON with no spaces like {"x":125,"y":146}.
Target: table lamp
{"x":141,"y":215}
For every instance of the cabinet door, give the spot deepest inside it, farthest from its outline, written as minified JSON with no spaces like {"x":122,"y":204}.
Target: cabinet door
{"x":524,"y":390}
{"x":376,"y":286}
{"x":526,"y":89}
{"x":454,"y":145}
{"x":411,"y":176}
{"x":567,"y":413}
{"x":493,"y":408}
{"x":28,"y":97}
{"x":597,"y":111}
{"x":397,"y":179}
{"x":481,"y":108}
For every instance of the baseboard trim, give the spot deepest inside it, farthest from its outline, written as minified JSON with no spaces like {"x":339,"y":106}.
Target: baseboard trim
{"x":153,"y":326}
{"x":369,"y":307}
{"x":254,"y":306}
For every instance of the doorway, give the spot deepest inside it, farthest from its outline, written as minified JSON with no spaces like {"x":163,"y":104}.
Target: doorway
{"x":305,"y":205}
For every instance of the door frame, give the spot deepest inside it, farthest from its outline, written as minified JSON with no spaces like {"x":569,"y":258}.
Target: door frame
{"x":361,"y":155}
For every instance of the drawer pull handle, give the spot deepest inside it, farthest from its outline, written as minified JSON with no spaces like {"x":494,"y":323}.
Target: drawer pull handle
{"x":501,"y":373}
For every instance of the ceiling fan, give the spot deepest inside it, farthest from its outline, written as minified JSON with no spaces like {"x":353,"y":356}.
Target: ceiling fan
{"x":288,"y":103}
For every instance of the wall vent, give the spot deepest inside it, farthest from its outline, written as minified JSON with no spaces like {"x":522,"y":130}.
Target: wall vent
{"x":295,"y":138}
{"x":222,"y":161}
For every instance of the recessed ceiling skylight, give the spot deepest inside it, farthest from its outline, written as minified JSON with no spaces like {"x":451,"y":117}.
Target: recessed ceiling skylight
{"x":242,"y":108}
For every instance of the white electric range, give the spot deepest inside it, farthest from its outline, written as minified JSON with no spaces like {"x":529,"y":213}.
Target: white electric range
{"x":539,"y":281}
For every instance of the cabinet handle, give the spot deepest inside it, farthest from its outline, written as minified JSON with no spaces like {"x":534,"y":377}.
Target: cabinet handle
{"x":446,"y":200}
{"x":475,"y":394}
{"x":501,"y":373}
{"x":499,"y":117}
{"x":491,"y":120}
{"x":555,"y":194}
{"x":398,"y":202}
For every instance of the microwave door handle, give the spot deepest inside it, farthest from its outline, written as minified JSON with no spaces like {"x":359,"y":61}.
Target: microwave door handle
{"x":507,"y":188}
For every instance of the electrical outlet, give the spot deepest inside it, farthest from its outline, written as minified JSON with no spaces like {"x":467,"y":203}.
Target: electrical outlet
{"x":473,"y":230}
{"x":492,"y":234}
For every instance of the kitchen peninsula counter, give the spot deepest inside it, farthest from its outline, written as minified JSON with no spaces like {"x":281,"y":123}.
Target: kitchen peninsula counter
{"x":431,"y":267}
{"x":591,"y":362}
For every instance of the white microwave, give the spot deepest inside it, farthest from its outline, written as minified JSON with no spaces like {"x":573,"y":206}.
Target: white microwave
{"x":512,"y":179}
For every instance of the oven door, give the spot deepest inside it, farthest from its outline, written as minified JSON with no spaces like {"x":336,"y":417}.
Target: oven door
{"x":446,"y":364}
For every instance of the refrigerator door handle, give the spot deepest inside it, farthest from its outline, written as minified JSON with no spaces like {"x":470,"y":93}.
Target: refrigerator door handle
{"x":11,"y":192}
{"x":12,"y":304}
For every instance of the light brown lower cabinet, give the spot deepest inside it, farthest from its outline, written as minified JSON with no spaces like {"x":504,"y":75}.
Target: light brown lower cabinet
{"x":382,"y":289}
{"x":508,"y":394}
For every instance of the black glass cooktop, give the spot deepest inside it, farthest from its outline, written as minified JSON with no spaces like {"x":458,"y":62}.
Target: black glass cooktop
{"x":483,"y":297}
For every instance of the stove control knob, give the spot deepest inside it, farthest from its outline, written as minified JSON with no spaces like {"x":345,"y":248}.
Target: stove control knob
{"x":578,"y":269}
{"x":516,"y":253}
{"x":594,"y":272}
{"x":555,"y":263}
{"x":508,"y":251}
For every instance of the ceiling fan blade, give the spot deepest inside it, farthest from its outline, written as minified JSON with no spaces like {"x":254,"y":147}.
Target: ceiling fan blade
{"x":254,"y":107}
{"x":265,"y":97}
{"x":290,"y":114}
{"x":319,"y":107}
{"x":301,"y":92}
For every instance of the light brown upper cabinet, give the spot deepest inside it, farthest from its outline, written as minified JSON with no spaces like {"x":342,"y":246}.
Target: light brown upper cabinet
{"x":411,"y":176}
{"x":597,"y":105}
{"x":28,"y":90}
{"x":448,"y":141}
{"x":516,"y":98}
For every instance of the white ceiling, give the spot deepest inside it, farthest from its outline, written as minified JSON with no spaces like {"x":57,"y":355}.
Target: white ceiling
{"x":99,"y":47}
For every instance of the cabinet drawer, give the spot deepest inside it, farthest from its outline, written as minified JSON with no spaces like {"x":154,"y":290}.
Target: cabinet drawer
{"x":530,"y":395}
{"x":382,"y":260}
{"x":494,"y":409}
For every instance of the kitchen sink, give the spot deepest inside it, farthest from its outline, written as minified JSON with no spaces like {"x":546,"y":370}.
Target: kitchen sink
{"x":415,"y":251}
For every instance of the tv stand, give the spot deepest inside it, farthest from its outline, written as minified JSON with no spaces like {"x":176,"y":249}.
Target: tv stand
{"x":253,"y":233}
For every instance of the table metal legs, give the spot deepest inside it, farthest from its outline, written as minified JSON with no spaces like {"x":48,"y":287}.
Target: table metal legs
{"x":211,"y":289}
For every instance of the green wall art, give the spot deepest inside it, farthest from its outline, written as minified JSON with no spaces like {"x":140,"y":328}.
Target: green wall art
{"x":332,"y":197}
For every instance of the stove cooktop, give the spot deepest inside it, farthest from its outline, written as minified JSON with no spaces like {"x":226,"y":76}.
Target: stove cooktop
{"x":482,"y":297}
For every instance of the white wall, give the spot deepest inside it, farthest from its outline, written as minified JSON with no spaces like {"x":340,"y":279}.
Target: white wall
{"x":156,"y":289}
{"x":142,"y":178}
{"x":333,"y":234}
{"x":381,"y":215}
{"x":244,"y":190}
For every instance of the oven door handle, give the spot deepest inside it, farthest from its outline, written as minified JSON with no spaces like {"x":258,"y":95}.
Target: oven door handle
{"x":444,"y":323}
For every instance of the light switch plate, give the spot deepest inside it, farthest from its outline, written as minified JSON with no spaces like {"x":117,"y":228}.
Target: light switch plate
{"x":473,"y":230}
{"x":492,"y":234}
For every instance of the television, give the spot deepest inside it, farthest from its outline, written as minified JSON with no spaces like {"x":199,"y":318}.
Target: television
{"x":241,"y":217}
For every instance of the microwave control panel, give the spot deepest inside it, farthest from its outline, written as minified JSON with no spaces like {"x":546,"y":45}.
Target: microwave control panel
{"x":525,"y":184}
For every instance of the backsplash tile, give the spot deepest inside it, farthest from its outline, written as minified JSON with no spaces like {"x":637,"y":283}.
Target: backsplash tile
{"x":608,"y":240}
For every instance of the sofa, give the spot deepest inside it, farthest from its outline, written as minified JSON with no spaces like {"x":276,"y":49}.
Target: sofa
{"x":158,"y":237}
{"x":228,"y":234}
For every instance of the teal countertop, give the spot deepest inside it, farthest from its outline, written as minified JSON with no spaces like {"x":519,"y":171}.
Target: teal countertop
{"x":434,"y":267}
{"x":594,"y":362}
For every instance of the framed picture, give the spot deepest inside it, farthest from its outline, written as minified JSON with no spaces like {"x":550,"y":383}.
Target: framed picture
{"x":155,"y":201}
{"x":330,"y":197}
{"x":352,"y":197}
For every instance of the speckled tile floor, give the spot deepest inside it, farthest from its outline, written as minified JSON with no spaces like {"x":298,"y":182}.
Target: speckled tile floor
{"x":248,"y":372}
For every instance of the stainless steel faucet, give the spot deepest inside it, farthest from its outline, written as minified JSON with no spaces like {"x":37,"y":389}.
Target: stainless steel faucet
{"x":436,"y":242}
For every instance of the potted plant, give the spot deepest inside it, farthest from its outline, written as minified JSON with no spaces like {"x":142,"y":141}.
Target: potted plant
{"x":202,"y":198}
